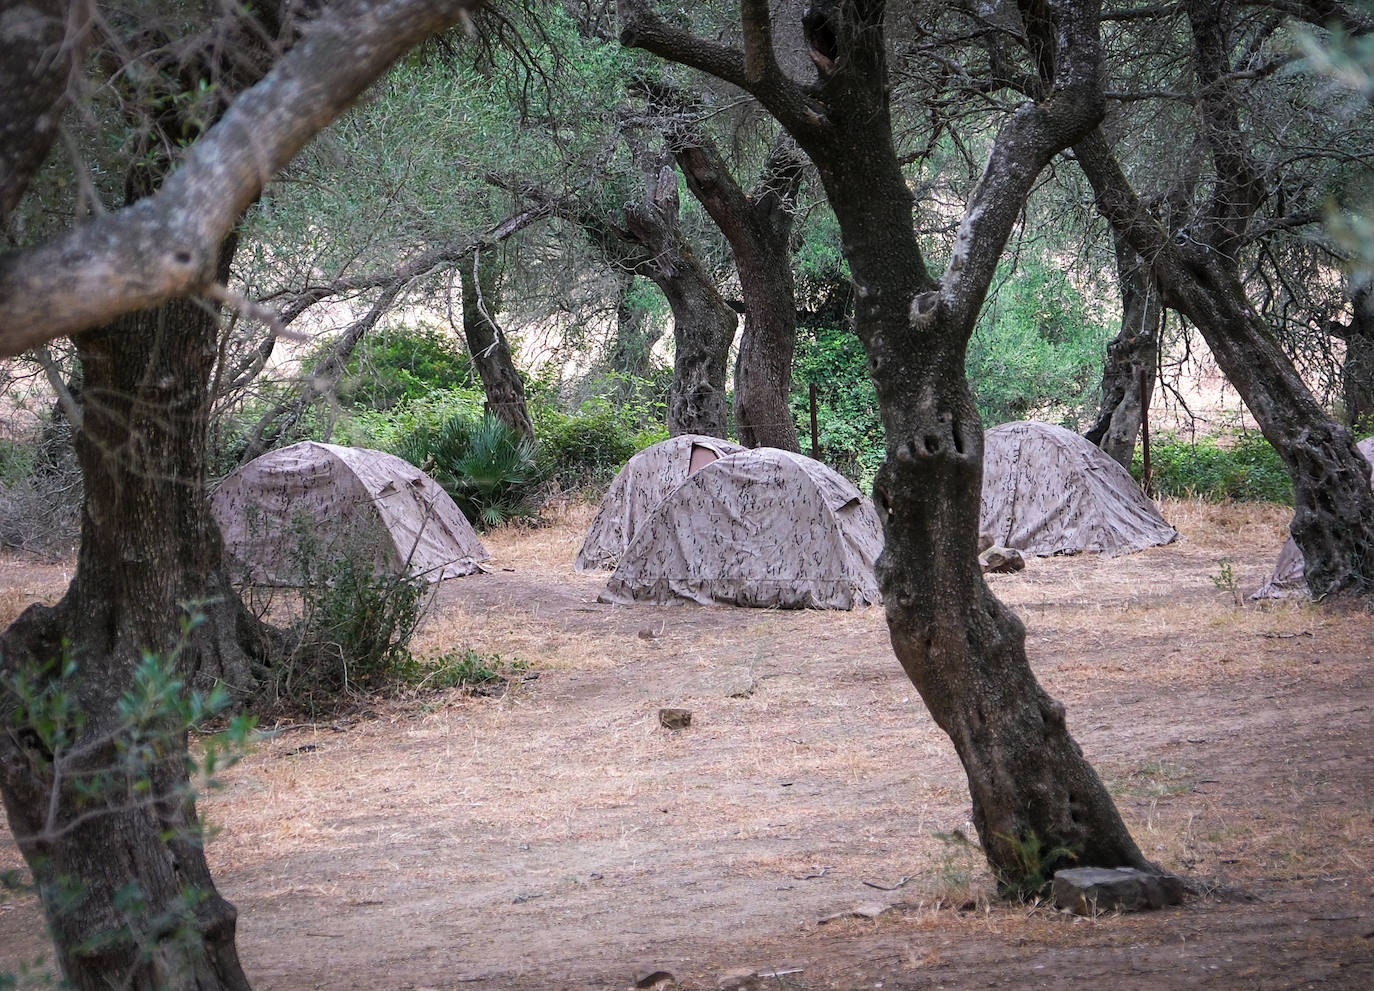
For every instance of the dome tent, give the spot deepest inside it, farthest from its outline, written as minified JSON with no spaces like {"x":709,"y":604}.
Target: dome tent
{"x":637,"y":489}
{"x":1288,"y":578}
{"x":313,"y":498}
{"x":761,"y":528}
{"x":1046,"y":490}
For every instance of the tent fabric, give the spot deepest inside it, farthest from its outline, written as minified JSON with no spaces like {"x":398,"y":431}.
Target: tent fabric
{"x":1046,"y":490}
{"x":1288,"y":578}
{"x":326,"y":499}
{"x":642,"y":483}
{"x":765,"y":528}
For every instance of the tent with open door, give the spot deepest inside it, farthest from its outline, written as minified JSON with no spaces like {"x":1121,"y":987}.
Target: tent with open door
{"x":323,"y":499}
{"x":642,"y":483}
{"x":756,"y":528}
{"x":1046,"y":490}
{"x":1288,"y":578}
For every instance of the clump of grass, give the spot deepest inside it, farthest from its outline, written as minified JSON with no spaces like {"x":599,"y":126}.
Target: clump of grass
{"x":460,"y":668}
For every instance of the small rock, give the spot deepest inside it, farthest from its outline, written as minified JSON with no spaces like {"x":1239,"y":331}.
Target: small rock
{"x":675,"y":718}
{"x":1001,"y":560}
{"x":647,"y":634}
{"x":653,"y":977}
{"x":1088,"y":890}
{"x":737,"y":980}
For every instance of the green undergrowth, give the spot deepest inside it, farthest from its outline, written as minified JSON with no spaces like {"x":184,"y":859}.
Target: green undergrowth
{"x":1242,"y":467}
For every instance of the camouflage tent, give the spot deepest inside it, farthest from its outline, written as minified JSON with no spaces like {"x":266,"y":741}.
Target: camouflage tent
{"x":642,"y":483}
{"x":1287,"y":578}
{"x":1046,"y":490}
{"x":757,"y":528}
{"x":324,"y":501}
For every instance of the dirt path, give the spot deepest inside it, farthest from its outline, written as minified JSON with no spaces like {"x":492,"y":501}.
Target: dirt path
{"x":559,"y":838}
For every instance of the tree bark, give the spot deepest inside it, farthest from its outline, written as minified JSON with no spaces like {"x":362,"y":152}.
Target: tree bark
{"x":650,"y":244}
{"x":42,"y":44}
{"x":647,"y":240}
{"x":487,"y":343}
{"x":1198,"y":275}
{"x":1357,"y":374}
{"x":149,"y":559}
{"x":1133,"y":351}
{"x":963,"y":650}
{"x":703,"y":323}
{"x":759,"y":227}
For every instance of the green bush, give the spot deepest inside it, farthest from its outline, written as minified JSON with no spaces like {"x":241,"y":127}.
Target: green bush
{"x":16,"y":460}
{"x":1036,"y":352}
{"x":403,"y":364}
{"x":464,"y":668}
{"x":1244,"y":468}
{"x":386,"y":430}
{"x":850,"y":429}
{"x":487,"y":466}
{"x":588,"y":447}
{"x":355,"y":625}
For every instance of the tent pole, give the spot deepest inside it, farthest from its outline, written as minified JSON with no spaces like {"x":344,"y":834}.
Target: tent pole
{"x":1145,"y":479}
{"x":815,"y":444}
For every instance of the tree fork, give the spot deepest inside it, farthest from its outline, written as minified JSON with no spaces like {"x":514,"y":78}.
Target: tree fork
{"x":963,"y":650}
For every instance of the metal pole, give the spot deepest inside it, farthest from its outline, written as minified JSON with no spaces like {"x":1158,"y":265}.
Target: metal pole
{"x":815,"y":442}
{"x":1144,"y":436}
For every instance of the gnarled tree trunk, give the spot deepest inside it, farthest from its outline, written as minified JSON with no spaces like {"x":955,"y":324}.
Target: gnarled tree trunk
{"x":651,"y":244}
{"x":1333,"y":520}
{"x":1357,"y":374}
{"x":758,"y":227}
{"x":150,"y":559}
{"x":487,"y":342}
{"x":42,"y":42}
{"x":964,"y":650}
{"x":1128,"y":375}
{"x":703,"y":323}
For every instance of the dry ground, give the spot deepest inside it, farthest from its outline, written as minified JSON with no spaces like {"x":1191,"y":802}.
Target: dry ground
{"x":557,"y":837}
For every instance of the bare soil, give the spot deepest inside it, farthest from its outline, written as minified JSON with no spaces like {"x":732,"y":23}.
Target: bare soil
{"x":556,"y":836}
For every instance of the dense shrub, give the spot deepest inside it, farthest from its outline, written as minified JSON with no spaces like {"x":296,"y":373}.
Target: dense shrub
{"x":1243,"y":467}
{"x":40,"y":491}
{"x":1037,"y":352}
{"x":353,"y":627}
{"x":354,"y":633}
{"x":403,"y":364}
{"x":850,"y":430}
{"x":356,"y":619}
{"x":587,"y":448}
{"x":486,"y":465}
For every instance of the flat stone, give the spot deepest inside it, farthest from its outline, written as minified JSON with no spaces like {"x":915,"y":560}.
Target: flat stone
{"x":675,"y":718}
{"x":653,"y":977}
{"x":1090,"y":890}
{"x":1001,"y":560}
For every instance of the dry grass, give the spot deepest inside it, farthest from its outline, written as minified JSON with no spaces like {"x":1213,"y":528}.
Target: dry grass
{"x":556,"y":835}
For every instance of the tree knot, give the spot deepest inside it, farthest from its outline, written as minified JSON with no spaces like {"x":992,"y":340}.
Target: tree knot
{"x":923,"y":308}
